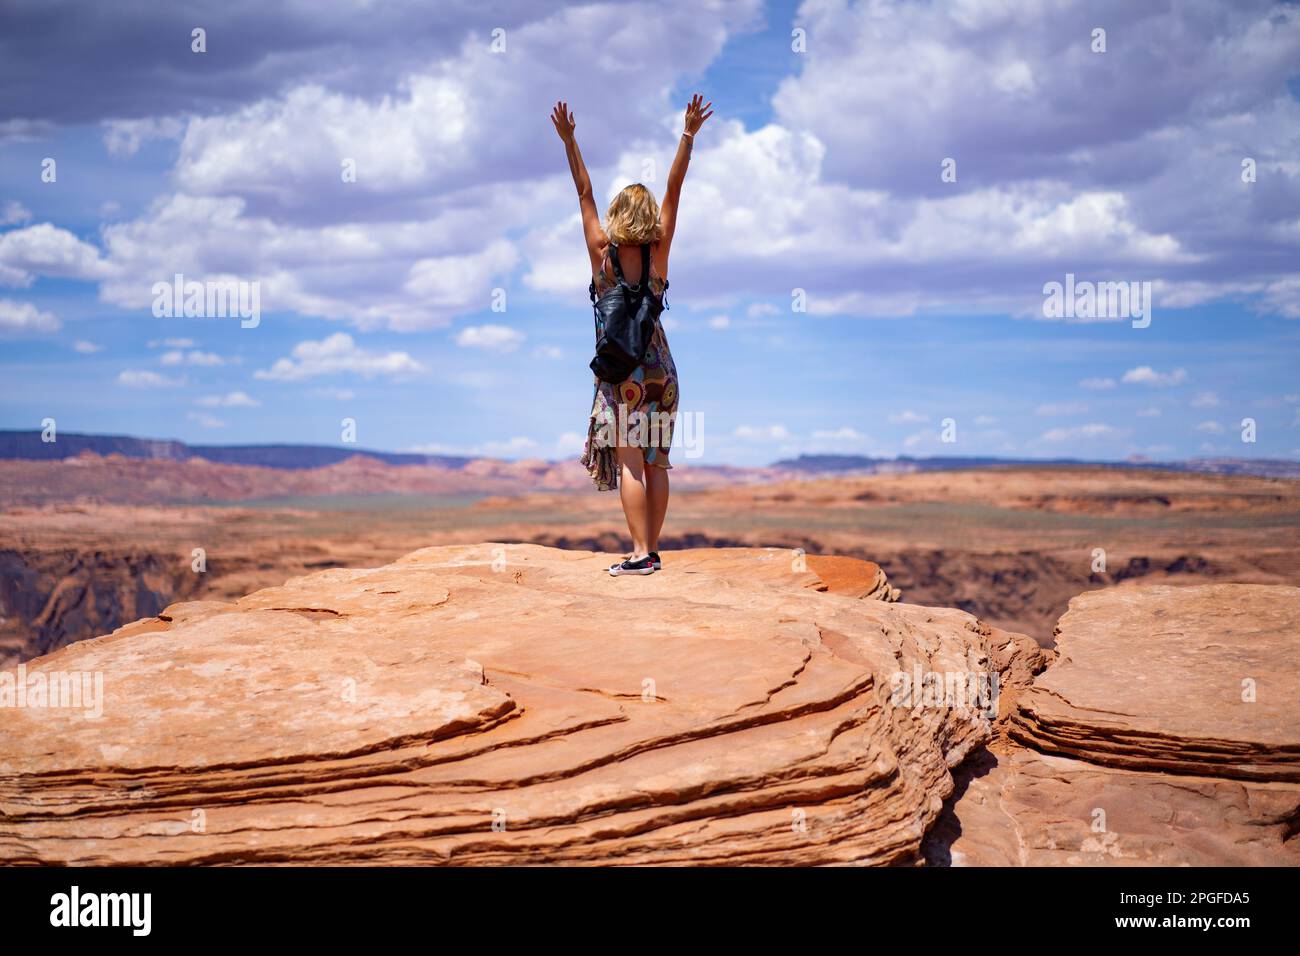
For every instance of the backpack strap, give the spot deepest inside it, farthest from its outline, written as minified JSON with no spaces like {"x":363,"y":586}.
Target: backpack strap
{"x":618,"y":266}
{"x":618,"y":271}
{"x":612,"y":253}
{"x":645,"y":272}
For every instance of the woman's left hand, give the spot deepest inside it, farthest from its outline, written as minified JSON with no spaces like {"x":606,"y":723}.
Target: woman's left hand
{"x":563,"y":120}
{"x":696,"y":115}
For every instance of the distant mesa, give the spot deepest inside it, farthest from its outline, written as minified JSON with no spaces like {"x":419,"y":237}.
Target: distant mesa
{"x":27,"y":445}
{"x":810,"y":465}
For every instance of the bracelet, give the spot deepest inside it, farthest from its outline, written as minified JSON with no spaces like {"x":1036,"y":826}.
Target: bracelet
{"x":691,"y":135}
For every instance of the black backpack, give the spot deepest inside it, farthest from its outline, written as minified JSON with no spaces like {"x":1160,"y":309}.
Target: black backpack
{"x":625,"y":321}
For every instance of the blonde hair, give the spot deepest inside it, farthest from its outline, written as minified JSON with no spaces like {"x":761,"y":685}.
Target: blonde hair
{"x":633,"y":217}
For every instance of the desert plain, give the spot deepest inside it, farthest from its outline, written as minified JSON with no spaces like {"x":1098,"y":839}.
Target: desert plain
{"x":91,"y":543}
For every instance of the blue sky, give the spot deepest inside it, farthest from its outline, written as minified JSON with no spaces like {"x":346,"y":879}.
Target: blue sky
{"x":820,"y":171}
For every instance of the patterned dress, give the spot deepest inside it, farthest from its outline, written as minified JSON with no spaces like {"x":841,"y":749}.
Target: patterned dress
{"x":641,"y":411}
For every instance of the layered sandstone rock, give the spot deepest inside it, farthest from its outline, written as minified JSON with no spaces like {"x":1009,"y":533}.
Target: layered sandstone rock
{"x":513,"y":704}
{"x":509,"y":704}
{"x":1018,"y":807}
{"x":1196,"y":679}
{"x":1166,"y":732}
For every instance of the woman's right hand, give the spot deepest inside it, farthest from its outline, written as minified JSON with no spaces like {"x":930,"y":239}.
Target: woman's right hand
{"x":695,"y":115}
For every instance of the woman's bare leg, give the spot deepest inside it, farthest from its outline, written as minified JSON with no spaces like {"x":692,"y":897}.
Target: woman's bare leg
{"x":631,"y":492}
{"x":656,"y":486}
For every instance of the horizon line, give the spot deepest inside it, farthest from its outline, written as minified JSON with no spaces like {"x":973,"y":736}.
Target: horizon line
{"x":1135,"y":460}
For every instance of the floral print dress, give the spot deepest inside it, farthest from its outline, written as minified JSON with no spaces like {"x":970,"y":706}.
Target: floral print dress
{"x":640,"y":411}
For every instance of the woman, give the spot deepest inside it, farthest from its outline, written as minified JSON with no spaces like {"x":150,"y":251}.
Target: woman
{"x":638,"y":467}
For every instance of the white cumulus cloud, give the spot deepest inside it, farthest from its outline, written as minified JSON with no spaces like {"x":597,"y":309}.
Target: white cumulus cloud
{"x":339,"y":354}
{"x":493,"y":338}
{"x":1146,"y":375}
{"x":25,"y":317}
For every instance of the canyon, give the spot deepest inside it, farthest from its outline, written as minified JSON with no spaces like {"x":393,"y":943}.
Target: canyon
{"x":88,"y":544}
{"x":316,"y":668}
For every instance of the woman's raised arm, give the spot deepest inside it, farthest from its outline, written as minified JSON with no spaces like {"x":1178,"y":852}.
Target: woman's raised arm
{"x":595,"y":236}
{"x":695,"y":117}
